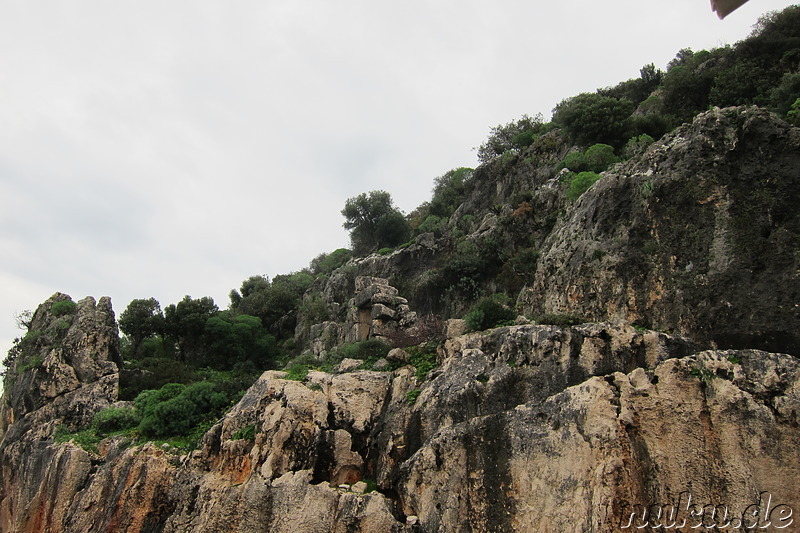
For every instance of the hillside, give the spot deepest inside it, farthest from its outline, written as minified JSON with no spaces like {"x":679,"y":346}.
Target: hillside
{"x":599,"y":321}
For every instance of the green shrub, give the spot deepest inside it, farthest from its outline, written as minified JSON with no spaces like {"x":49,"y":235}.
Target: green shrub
{"x":297,"y":372}
{"x":575,"y":161}
{"x":87,"y":439}
{"x":35,"y":362}
{"x":599,"y":157}
{"x":636,"y":145}
{"x":327,"y":263}
{"x":113,"y":419}
{"x":423,"y":358}
{"x":580,"y":184}
{"x":412,"y":395}
{"x":561,"y":320}
{"x":385,"y":251}
{"x":248,"y":432}
{"x":524,"y":139}
{"x":176,"y":410}
{"x":433,"y":224}
{"x":794,"y":113}
{"x":64,"y":307}
{"x":488,"y":313}
{"x":367,"y":349}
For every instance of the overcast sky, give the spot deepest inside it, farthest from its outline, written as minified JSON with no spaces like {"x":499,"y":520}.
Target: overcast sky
{"x":163,"y":148}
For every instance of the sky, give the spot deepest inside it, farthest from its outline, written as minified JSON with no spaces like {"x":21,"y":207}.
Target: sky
{"x":163,"y":148}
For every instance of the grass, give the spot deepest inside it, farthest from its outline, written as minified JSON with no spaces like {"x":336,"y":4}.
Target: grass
{"x":412,"y":395}
{"x":248,"y":432}
{"x":423,"y":359}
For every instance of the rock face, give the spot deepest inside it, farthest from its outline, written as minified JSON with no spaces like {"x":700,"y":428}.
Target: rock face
{"x":64,"y":373}
{"x":604,"y":426}
{"x":522,"y":428}
{"x":377,"y":311}
{"x":699,"y":235}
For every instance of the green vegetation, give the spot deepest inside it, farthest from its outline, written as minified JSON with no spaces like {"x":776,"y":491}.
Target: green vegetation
{"x":297,"y":372}
{"x":34,"y":362}
{"x":490,"y":312}
{"x":175,"y":409}
{"x":735,"y":360}
{"x":449,"y":191}
{"x":423,"y":358}
{"x":580,"y":183}
{"x":88,"y":439}
{"x":510,"y":137}
{"x":324,"y":264}
{"x":596,"y":158}
{"x":374,"y":222}
{"x":560,"y":320}
{"x":112,"y":419}
{"x":412,"y":395}
{"x":591,"y":118}
{"x":141,"y":320}
{"x":63,"y":307}
{"x":248,"y":432}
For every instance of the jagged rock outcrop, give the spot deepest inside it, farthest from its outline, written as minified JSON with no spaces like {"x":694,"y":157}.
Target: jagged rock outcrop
{"x":520,"y":428}
{"x":64,"y":372}
{"x":377,"y":311}
{"x":698,"y":236}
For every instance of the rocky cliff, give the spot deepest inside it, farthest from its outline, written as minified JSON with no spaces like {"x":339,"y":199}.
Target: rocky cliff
{"x":664,"y":409}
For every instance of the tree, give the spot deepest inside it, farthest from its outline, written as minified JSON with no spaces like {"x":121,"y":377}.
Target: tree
{"x":591,"y":118}
{"x":327,"y":263}
{"x":449,"y":190}
{"x":515,"y":134}
{"x":374,"y":222}
{"x":186,"y":322}
{"x":141,"y":320}
{"x":232,"y":339}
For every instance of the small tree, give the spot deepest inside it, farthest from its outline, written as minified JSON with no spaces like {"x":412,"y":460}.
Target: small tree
{"x":514,"y":135}
{"x":591,"y":118}
{"x":186,"y":321}
{"x":794,"y":113}
{"x":141,"y":320}
{"x":374,"y":222}
{"x":580,"y":184}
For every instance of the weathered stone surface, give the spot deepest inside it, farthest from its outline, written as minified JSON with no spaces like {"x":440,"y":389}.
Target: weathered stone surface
{"x":581,"y":459}
{"x":398,"y":355}
{"x":695,"y":236}
{"x":348,"y":365}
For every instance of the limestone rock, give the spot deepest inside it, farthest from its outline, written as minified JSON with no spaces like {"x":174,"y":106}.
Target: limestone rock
{"x":693,"y":236}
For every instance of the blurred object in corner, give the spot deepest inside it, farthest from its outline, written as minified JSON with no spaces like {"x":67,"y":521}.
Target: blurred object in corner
{"x":725,"y":7}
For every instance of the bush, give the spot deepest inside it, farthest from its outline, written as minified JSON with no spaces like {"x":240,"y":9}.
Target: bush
{"x":511,"y":136}
{"x":794,"y":113}
{"x":64,"y":307}
{"x":297,"y":372}
{"x":596,"y":158}
{"x":636,"y":145}
{"x":176,"y":409}
{"x":580,"y":184}
{"x":113,"y":419}
{"x":327,"y":263}
{"x":561,"y":320}
{"x":591,"y":118}
{"x":248,"y":432}
{"x":575,"y":161}
{"x":489,"y":313}
{"x":423,"y":358}
{"x":449,"y":191}
{"x":599,"y":157}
